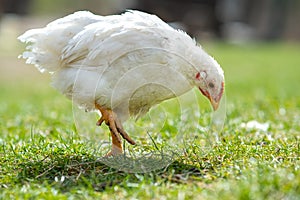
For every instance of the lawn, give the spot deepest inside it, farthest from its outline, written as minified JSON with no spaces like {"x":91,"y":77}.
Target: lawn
{"x":43,"y":155}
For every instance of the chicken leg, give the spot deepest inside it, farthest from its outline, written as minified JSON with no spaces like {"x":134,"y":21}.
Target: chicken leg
{"x":116,"y":129}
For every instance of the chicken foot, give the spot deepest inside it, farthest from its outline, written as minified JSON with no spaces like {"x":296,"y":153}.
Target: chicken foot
{"x":116,"y":129}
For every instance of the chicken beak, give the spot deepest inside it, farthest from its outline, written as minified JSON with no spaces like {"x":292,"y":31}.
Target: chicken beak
{"x":214,"y":104}
{"x":214,"y":101}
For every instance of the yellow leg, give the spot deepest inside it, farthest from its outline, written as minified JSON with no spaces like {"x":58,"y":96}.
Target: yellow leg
{"x":116,"y":129}
{"x":116,"y":148}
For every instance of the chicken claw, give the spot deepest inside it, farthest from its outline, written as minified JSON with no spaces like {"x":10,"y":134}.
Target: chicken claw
{"x":116,"y":129}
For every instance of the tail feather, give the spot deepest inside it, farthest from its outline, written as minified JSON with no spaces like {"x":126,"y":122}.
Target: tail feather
{"x":45,"y":45}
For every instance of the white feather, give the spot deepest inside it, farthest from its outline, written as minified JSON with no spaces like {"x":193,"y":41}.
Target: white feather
{"x":45,"y":45}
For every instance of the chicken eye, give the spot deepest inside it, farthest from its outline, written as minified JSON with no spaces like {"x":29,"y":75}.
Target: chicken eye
{"x":211,"y":85}
{"x":203,"y":74}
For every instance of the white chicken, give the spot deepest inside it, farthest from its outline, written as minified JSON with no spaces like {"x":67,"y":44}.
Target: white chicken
{"x":121,"y":65}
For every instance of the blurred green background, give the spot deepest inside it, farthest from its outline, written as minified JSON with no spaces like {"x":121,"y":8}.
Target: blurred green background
{"x":254,"y":41}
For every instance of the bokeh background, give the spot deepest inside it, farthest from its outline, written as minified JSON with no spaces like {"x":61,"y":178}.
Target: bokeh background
{"x":231,"y":20}
{"x":239,"y":24}
{"x":234,"y":20}
{"x":255,"y":41}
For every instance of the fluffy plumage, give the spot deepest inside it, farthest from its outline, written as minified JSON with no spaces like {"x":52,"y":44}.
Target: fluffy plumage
{"x":125,"y":63}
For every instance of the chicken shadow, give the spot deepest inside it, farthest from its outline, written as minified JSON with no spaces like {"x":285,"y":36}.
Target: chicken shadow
{"x":72,"y":171}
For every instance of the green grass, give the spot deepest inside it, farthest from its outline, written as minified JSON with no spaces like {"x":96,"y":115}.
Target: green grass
{"x":42,"y":155}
